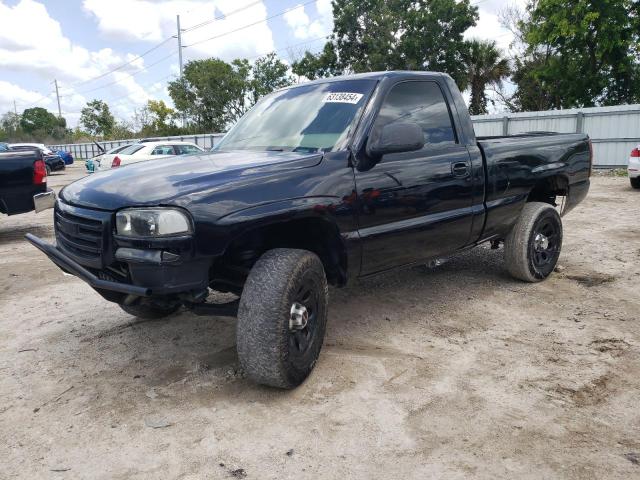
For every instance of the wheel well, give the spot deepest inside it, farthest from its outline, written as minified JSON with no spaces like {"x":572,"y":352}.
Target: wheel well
{"x":316,"y":235}
{"x":547,"y":189}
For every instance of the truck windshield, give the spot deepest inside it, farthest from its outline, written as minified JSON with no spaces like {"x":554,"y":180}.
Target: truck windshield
{"x":307,"y":118}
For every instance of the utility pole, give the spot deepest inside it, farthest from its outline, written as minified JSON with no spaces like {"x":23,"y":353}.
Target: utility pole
{"x":15,"y":109}
{"x":58,"y":97}
{"x":180,"y":58}
{"x":179,"y":44}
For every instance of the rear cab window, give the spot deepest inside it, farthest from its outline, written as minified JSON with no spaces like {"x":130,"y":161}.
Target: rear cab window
{"x":420,"y":102}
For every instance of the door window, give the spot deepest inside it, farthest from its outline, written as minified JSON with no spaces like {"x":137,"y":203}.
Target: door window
{"x":421,"y":103}
{"x":186,"y":149}
{"x":163,"y":150}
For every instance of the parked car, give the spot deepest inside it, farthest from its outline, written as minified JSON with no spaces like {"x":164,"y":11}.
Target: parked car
{"x":90,"y":163}
{"x":66,"y":156}
{"x":21,"y":146}
{"x":22,"y":176}
{"x":319,"y":183}
{"x":140,"y":152}
{"x":52,"y":161}
{"x":634,"y":167}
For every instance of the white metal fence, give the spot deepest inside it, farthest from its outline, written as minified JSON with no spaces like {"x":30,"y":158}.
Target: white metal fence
{"x":615,"y":131}
{"x":82,"y":151}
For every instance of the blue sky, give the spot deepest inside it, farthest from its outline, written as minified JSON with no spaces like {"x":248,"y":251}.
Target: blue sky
{"x":81,"y":42}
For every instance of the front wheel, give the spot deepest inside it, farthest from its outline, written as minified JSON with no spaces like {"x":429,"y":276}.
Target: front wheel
{"x":635,"y":182}
{"x":282,"y":317}
{"x":533,"y":246}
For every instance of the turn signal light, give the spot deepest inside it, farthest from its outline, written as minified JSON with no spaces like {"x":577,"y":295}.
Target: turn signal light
{"x":116,"y":162}
{"x":635,"y":153}
{"x":39,"y":172}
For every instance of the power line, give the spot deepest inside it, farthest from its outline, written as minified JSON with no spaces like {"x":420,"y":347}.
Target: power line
{"x":221,"y":17}
{"x":119,"y":67}
{"x":252,"y":24}
{"x":290,"y":46}
{"x":117,"y":100}
{"x":123,"y":97}
{"x":124,"y":78}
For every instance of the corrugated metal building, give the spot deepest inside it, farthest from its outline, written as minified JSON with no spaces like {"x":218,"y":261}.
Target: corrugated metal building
{"x":615,"y":131}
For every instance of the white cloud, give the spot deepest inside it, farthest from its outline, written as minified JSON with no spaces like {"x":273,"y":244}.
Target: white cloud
{"x":10,"y":93}
{"x":30,"y":40}
{"x":489,"y":28}
{"x":303,"y":27}
{"x":154,"y":21}
{"x":32,"y":43}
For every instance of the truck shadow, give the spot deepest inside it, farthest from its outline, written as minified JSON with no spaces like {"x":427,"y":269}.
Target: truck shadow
{"x":198,"y":352}
{"x":11,"y":234}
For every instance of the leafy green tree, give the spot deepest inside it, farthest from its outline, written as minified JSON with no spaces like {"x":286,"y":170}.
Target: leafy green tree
{"x":485,"y":66}
{"x":9,"y":126}
{"x":580,"y":53}
{"x":213,"y":94}
{"x":121,"y":130}
{"x":321,"y":65}
{"x":40,"y":122}
{"x":97,"y":119}
{"x":535,"y":90}
{"x":268,"y":73}
{"x":371,"y":35}
{"x":156,"y":119}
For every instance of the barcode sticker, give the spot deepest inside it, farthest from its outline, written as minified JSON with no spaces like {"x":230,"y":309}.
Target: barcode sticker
{"x":342,"y":97}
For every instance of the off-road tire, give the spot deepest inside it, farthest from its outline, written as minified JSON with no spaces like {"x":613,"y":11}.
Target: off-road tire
{"x":150,"y":311}
{"x":521,"y":256}
{"x":635,"y":182}
{"x":268,"y":349}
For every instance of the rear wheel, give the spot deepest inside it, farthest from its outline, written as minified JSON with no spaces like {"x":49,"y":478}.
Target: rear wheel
{"x":635,"y":182}
{"x":282,"y":317}
{"x":533,"y":246}
{"x":151,"y":310}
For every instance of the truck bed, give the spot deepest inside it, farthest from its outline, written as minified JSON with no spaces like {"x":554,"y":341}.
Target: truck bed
{"x":516,"y":162}
{"x":16,"y":181}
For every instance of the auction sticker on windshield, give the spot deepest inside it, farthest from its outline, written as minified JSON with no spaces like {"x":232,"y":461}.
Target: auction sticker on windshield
{"x":342,"y":97}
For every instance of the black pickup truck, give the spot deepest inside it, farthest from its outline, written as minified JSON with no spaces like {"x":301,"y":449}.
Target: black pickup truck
{"x":23,"y":175}
{"x":319,"y":184}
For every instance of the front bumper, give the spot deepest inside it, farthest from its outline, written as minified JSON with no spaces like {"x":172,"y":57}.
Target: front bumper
{"x":87,"y":247}
{"x":71,"y":266}
{"x":634,"y":167}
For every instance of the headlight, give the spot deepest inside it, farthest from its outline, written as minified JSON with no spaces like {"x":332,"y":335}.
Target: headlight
{"x":152,"y":222}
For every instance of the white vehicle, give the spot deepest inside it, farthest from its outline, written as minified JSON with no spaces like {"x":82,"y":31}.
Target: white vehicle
{"x":46,"y":150}
{"x":113,"y":150}
{"x":634,"y":167}
{"x":139,"y":152}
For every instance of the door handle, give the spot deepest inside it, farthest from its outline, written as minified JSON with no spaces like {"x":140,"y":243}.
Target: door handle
{"x":460,"y":169}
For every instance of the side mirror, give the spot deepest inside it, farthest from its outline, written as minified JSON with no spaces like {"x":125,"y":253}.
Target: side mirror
{"x":395,"y":137}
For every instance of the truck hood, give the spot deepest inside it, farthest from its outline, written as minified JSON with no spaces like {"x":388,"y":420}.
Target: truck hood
{"x":180,"y":180}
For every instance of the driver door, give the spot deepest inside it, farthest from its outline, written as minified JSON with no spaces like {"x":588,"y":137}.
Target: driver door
{"x":415,"y":205}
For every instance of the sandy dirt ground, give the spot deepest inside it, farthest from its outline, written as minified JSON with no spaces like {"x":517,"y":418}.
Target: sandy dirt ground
{"x":453,"y":372}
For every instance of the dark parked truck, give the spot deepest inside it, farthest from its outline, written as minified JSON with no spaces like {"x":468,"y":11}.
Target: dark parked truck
{"x":317,"y":185}
{"x":23,"y":175}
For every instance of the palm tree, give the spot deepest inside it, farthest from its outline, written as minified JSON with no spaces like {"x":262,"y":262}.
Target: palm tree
{"x":485,"y":66}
